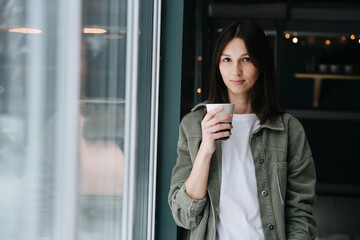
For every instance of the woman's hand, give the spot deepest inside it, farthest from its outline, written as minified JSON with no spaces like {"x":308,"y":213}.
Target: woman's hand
{"x":211,"y":129}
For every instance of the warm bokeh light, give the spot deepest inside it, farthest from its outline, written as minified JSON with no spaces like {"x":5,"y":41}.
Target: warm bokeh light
{"x":295,"y":40}
{"x":199,"y":90}
{"x":359,"y":41}
{"x":199,"y":58}
{"x":25,"y":30}
{"x":311,"y":40}
{"x":94,"y":30}
{"x":352,"y":37}
{"x":287,"y":36}
{"x":343,"y":38}
{"x":114,"y":36}
{"x":327,"y":42}
{"x":295,"y":34}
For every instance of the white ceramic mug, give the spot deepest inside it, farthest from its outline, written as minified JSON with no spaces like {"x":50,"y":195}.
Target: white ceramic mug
{"x":228,"y":109}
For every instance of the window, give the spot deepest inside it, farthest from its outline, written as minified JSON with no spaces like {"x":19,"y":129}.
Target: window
{"x":78,"y":118}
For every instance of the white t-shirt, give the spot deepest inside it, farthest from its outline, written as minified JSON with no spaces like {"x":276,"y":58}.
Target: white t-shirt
{"x":239,"y":212}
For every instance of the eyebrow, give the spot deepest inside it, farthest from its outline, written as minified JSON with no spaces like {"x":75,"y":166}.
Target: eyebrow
{"x":228,"y":55}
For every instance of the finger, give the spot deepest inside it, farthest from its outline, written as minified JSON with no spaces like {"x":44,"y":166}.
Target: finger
{"x":222,"y":134}
{"x":220,"y":127}
{"x":212,"y":113}
{"x":220,"y":118}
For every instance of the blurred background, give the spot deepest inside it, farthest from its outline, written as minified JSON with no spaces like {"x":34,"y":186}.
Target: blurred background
{"x":92,"y":92}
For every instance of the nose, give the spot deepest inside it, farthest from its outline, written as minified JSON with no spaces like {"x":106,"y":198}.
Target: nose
{"x":237,"y":70}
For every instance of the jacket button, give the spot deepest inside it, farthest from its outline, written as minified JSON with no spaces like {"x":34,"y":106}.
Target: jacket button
{"x":261,"y":160}
{"x":264,"y":193}
{"x":271,"y":227}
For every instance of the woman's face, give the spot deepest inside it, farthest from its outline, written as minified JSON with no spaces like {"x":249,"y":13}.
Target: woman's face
{"x":237,"y":69}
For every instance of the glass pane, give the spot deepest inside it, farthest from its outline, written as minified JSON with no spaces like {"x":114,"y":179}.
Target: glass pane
{"x":101,"y":123}
{"x":27,"y":105}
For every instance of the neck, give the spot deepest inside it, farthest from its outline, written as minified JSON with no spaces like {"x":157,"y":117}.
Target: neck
{"x":242,"y":105}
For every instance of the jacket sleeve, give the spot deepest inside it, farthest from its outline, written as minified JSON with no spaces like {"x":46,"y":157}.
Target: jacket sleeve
{"x":187,"y":212}
{"x":300,"y":193}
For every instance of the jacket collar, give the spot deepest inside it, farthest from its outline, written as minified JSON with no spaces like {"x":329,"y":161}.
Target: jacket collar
{"x":198,"y":106}
{"x":275,"y":123}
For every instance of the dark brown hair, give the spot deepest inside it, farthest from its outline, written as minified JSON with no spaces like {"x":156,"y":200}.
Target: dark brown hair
{"x":263,"y":97}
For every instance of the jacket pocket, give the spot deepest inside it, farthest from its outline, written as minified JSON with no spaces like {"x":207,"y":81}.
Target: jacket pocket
{"x":281,"y":178}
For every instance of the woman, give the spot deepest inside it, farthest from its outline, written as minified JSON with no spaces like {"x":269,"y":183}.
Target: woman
{"x":260,"y":183}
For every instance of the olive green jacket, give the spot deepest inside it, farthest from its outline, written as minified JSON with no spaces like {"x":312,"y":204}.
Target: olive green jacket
{"x":285,"y":176}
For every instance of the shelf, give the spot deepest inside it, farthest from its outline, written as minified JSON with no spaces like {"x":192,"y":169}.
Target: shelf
{"x":318,"y":77}
{"x":327,"y":76}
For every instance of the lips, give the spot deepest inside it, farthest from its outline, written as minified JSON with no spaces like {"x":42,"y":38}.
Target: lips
{"x":237,"y":82}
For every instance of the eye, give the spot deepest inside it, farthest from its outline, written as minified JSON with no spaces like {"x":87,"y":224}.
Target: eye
{"x":246,"y":59}
{"x":226,"y":59}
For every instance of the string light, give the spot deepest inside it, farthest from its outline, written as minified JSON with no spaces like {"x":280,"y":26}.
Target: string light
{"x":295,"y":40}
{"x":199,"y":90}
{"x":287,"y":36}
{"x":352,"y":37}
{"x":327,"y":42}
